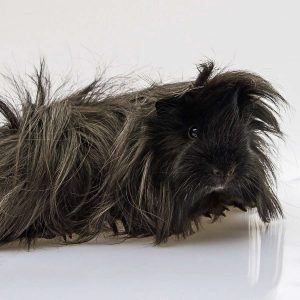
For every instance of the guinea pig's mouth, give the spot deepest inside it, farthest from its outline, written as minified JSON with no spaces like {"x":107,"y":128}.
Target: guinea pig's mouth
{"x":219,"y":185}
{"x":214,"y":188}
{"x":217,"y":188}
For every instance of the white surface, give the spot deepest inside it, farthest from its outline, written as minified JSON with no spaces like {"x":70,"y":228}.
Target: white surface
{"x":232,"y":259}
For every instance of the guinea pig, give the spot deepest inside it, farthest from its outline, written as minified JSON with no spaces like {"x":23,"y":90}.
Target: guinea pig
{"x":152,"y":162}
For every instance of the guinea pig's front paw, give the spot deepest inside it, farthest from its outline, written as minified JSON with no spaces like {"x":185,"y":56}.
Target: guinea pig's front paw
{"x":216,"y":206}
{"x":216,"y":211}
{"x":239,"y":205}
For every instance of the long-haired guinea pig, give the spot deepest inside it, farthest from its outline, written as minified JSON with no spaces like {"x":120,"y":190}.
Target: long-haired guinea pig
{"x":153,"y":162}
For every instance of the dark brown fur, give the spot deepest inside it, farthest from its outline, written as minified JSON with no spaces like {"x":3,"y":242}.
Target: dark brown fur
{"x":151,"y":162}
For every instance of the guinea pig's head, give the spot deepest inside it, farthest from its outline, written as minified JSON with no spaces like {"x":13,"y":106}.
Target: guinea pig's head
{"x":213,"y":140}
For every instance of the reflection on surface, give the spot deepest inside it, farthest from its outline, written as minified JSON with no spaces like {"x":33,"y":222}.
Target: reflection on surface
{"x":265,"y":257}
{"x":242,"y":258}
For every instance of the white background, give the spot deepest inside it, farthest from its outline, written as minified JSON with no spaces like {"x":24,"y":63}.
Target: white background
{"x":235,"y":258}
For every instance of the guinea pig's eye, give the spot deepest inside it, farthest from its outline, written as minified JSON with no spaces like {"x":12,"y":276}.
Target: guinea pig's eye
{"x":193,"y":132}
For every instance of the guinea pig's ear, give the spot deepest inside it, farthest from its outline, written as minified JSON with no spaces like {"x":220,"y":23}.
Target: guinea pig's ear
{"x":173,"y":103}
{"x":168,"y":105}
